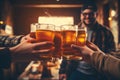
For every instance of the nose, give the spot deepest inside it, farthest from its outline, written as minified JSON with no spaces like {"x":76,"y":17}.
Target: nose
{"x":87,"y":16}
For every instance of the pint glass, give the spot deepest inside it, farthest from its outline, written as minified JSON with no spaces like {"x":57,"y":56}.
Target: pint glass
{"x":81,"y":36}
{"x":45,"y":32}
{"x":69,"y":35}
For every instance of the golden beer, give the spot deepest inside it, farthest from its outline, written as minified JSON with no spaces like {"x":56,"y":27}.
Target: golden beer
{"x":68,"y":38}
{"x":81,"y":37}
{"x":72,"y":35}
{"x":45,"y":32}
{"x":44,"y":35}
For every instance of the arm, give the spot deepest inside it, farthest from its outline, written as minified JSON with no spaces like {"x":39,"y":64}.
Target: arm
{"x":10,"y":41}
{"x":107,"y":64}
{"x":25,"y":48}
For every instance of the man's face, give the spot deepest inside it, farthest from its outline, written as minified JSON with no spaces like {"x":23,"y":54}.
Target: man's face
{"x":88,"y":17}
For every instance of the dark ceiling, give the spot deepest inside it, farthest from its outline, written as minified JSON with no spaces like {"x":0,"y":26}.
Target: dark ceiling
{"x":53,"y":1}
{"x":47,"y":1}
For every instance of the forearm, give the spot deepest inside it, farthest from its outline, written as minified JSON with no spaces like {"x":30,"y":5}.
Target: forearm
{"x":106,"y":63}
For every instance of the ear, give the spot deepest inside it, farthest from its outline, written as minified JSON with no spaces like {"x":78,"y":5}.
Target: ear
{"x":81,"y":16}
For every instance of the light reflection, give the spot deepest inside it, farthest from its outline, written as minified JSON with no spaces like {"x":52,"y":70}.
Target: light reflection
{"x":113,"y":13}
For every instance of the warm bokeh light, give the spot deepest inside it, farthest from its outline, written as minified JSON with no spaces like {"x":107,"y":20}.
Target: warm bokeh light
{"x":109,"y":18}
{"x":56,"y":20}
{"x":1,"y":22}
{"x":9,"y":29}
{"x":113,"y":13}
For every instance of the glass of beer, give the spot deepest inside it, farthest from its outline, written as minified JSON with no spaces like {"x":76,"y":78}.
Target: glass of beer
{"x":69,"y":34}
{"x":81,"y":36}
{"x":45,"y":32}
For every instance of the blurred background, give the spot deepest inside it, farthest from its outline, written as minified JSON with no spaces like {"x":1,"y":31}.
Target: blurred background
{"x":17,"y":15}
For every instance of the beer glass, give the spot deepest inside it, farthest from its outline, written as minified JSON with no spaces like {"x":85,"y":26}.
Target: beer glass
{"x":45,"y":32}
{"x":33,"y":30}
{"x":69,"y":34}
{"x":81,"y":36}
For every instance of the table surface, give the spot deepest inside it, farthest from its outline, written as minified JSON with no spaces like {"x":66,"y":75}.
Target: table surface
{"x":31,"y":75}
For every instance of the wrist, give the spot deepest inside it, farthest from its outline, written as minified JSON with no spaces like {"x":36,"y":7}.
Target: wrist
{"x":13,"y":50}
{"x":91,"y":53}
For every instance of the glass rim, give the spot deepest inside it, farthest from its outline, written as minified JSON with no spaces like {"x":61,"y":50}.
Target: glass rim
{"x":42,"y":24}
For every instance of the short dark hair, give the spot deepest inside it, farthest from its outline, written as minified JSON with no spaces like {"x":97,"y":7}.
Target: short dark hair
{"x":91,"y":6}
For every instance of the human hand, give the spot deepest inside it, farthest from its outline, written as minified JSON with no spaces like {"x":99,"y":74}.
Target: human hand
{"x":92,"y":46}
{"x":27,"y":47}
{"x":87,"y":50}
{"x":26,"y":37}
{"x":62,"y":76}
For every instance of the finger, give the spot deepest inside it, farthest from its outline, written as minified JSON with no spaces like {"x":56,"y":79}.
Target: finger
{"x":92,"y":46}
{"x":25,"y":41}
{"x":49,"y":42}
{"x":76,"y":47}
{"x":42,"y":51}
{"x":32,"y":40}
{"x":43,"y":43}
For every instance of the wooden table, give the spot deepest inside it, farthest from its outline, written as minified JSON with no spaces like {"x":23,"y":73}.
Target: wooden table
{"x":31,"y":75}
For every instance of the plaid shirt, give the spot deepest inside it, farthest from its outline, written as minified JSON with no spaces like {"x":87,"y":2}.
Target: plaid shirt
{"x":7,"y":41}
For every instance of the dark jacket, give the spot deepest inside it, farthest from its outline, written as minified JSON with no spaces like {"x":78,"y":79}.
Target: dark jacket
{"x":5,"y":60}
{"x":102,"y":37}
